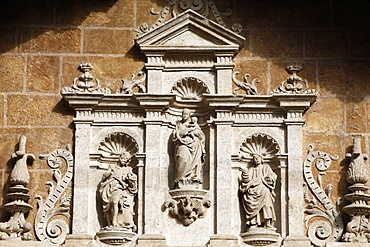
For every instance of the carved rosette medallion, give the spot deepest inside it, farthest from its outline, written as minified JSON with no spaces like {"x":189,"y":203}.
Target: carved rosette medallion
{"x":52,"y":218}
{"x":17,"y":227}
{"x":324,"y":223}
{"x":118,"y":189}
{"x":358,"y":229}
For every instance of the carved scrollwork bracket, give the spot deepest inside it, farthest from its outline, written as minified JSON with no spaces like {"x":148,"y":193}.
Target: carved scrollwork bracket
{"x":187,"y":205}
{"x":324,"y":223}
{"x":47,"y":225}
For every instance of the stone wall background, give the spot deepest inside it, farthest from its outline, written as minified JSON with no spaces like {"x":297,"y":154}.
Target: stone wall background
{"x":42,"y":43}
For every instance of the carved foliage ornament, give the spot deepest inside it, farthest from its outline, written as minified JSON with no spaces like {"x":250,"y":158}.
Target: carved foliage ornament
{"x":324,"y":223}
{"x":129,"y":85}
{"x":85,"y":82}
{"x":293,"y":84}
{"x":249,"y":87}
{"x":203,"y":7}
{"x":48,"y":225}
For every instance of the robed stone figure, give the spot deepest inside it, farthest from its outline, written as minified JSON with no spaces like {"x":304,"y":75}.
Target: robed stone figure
{"x":189,"y":141}
{"x":257,"y":186}
{"x":118,"y":188}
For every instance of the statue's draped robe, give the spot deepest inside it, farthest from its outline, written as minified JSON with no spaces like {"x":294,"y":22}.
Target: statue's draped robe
{"x":118,"y":187}
{"x":258,"y":196}
{"x":189,"y":152}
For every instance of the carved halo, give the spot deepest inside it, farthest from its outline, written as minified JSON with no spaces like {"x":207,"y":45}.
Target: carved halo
{"x":190,"y":88}
{"x":116,"y":143}
{"x":261,"y":144}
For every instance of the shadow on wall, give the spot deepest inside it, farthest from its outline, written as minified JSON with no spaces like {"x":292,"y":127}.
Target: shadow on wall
{"x":330,"y":37}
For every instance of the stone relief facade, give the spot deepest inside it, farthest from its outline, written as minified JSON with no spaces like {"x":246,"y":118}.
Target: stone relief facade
{"x":185,"y":145}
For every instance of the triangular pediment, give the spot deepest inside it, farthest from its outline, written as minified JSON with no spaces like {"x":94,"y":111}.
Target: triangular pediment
{"x":190,"y":31}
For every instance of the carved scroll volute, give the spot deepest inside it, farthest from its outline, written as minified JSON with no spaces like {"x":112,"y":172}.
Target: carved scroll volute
{"x":118,"y":188}
{"x":53,"y":215}
{"x":323,"y":222}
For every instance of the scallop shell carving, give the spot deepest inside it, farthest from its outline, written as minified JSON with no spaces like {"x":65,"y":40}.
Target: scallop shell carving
{"x":190,"y":88}
{"x":261,"y":144}
{"x":114,"y":144}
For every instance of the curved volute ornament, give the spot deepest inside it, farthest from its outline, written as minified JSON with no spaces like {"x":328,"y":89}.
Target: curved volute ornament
{"x":17,"y":227}
{"x":129,"y":85}
{"x":52,"y":218}
{"x":324,"y":223}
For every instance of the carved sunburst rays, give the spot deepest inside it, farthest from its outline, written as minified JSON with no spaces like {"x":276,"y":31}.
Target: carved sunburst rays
{"x":261,"y":144}
{"x":116,"y":143}
{"x":190,"y":88}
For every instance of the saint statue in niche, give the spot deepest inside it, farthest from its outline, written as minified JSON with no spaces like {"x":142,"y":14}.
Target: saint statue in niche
{"x":257,"y":186}
{"x":118,"y":188}
{"x":190,"y":153}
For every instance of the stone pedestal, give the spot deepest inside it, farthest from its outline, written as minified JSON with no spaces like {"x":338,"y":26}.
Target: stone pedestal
{"x":223,"y":240}
{"x":151,"y":240}
{"x":260,"y":237}
{"x":79,"y":240}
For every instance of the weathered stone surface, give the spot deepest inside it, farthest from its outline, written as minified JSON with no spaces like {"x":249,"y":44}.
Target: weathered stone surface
{"x":143,"y":11}
{"x":57,"y":40}
{"x":37,"y":110}
{"x":11,"y":71}
{"x":286,"y":43}
{"x":356,"y":115}
{"x":359,"y":41}
{"x":326,"y":43}
{"x":344,"y":77}
{"x":7,"y":40}
{"x":115,"y":41}
{"x":43,"y":74}
{"x":319,"y":121}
